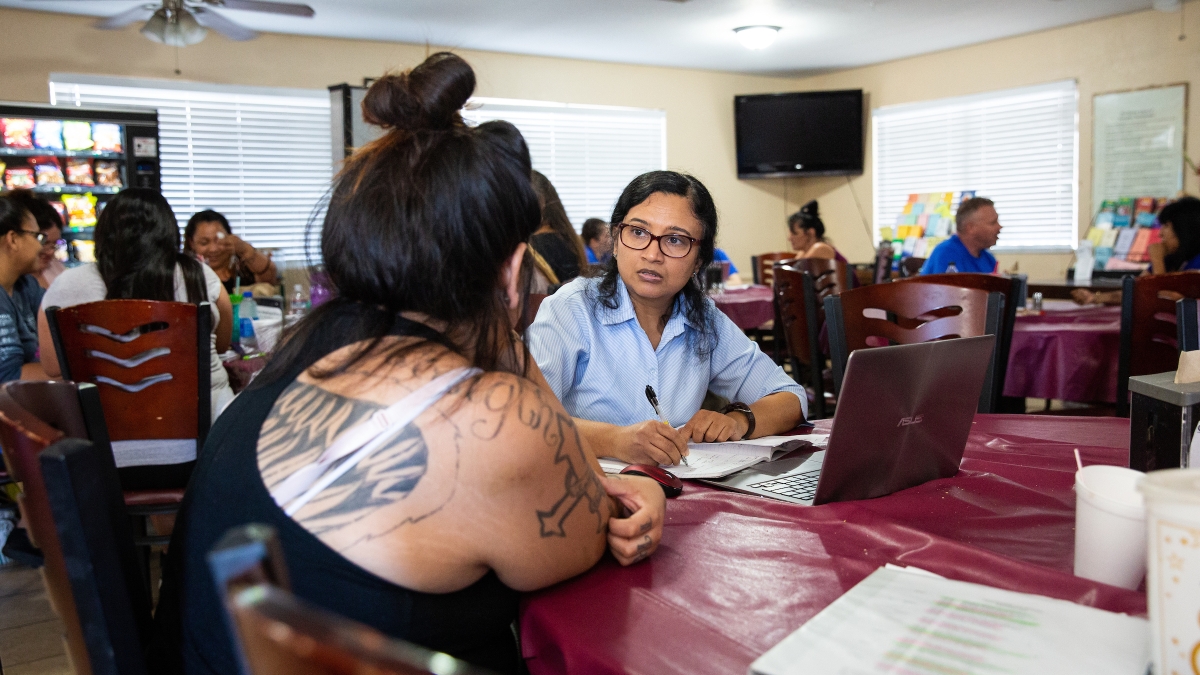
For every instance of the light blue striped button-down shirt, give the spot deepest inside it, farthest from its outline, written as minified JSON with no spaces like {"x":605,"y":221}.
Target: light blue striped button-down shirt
{"x":599,"y":361}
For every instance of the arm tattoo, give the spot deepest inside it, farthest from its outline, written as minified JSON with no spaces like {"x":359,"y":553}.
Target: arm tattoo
{"x":523,"y":402}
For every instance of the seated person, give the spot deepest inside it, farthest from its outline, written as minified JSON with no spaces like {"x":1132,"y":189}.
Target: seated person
{"x":1180,"y":244}
{"x":20,"y":248}
{"x":647,"y":321}
{"x":978,"y":228}
{"x":720,"y":256}
{"x":51,"y":225}
{"x":555,"y":240}
{"x":597,"y":240}
{"x":466,"y":501}
{"x":137,"y":257}
{"x":209,"y":237}
{"x":806,"y":234}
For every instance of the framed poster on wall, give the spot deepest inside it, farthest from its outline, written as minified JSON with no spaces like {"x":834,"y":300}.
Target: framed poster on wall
{"x":1137,"y":143}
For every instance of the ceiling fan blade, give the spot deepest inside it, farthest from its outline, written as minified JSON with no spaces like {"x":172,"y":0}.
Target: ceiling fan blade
{"x":135,"y":15}
{"x":289,"y":8}
{"x":210,"y":19}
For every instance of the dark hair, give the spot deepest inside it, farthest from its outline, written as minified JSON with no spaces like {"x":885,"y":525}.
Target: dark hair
{"x":968,"y":208}
{"x":45,"y":214}
{"x":807,"y":218}
{"x":12,"y":214}
{"x":137,"y":249}
{"x":1184,"y":216}
{"x":430,"y":199}
{"x":592,"y":227}
{"x":554,"y":215}
{"x":694,"y":303}
{"x":205,"y":216}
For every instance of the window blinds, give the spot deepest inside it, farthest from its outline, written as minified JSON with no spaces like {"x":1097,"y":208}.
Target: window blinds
{"x":1017,"y":147}
{"x":259,"y":156}
{"x":590,"y":153}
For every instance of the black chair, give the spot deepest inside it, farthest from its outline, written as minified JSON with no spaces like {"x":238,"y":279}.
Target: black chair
{"x":276,"y":633}
{"x":1186,"y":325}
{"x":1149,"y":328}
{"x":102,"y":566}
{"x":800,"y":287}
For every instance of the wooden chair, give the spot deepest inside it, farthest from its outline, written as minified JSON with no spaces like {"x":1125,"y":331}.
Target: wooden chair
{"x":103,"y":572}
{"x":800,"y":289}
{"x":1188,"y":325}
{"x":1149,"y":328}
{"x":1013,"y":289}
{"x":151,"y":362}
{"x":278,"y":634}
{"x":915,"y":313}
{"x":23,"y":436}
{"x":763,"y":264}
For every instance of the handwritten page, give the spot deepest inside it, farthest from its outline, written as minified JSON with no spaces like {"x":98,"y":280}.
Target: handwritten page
{"x":716,"y":460}
{"x":901,"y":621}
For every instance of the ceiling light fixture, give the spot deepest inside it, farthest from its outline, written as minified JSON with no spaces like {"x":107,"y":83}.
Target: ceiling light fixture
{"x":756,"y":37}
{"x":174,"y":27}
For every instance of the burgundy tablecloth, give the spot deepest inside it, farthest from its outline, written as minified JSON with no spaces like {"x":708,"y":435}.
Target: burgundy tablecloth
{"x":735,"y":573}
{"x":748,"y":307}
{"x":1069,"y":355}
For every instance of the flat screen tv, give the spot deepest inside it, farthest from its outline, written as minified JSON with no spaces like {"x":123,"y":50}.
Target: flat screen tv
{"x":811,"y":133}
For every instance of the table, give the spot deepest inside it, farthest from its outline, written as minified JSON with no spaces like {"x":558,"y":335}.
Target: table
{"x":748,"y":307}
{"x":1068,"y":353}
{"x":1061,"y":290}
{"x":735,"y":574}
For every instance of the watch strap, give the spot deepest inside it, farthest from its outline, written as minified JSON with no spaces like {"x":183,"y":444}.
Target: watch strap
{"x":738,"y":406}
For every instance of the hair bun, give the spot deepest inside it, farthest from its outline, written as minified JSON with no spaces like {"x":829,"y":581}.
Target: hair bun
{"x":426,"y":97}
{"x":810,"y":209}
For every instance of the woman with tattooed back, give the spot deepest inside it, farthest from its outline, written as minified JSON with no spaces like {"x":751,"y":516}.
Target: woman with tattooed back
{"x":418,"y":469}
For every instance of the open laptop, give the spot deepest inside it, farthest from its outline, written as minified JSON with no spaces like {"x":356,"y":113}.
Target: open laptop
{"x":902,"y":419}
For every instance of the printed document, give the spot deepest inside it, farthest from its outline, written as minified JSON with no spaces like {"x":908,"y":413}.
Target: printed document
{"x":717,"y":460}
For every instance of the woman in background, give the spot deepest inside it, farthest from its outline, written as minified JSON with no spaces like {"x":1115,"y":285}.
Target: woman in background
{"x":51,"y":225}
{"x":20,"y":248}
{"x":209,"y":237}
{"x":806,"y":234}
{"x":555,"y":240}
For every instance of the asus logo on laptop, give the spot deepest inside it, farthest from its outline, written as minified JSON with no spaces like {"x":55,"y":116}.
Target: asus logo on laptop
{"x":907,"y":421}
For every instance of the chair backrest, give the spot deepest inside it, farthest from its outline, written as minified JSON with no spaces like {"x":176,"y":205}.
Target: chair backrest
{"x":112,"y":600}
{"x":914,"y":313}
{"x":1188,"y":322}
{"x":1149,"y":329}
{"x":883,"y":263}
{"x":801,"y":302}
{"x":150,"y":360}
{"x":763,"y":264}
{"x":278,"y":634}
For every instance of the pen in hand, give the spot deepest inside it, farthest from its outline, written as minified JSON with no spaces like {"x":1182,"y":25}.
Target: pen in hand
{"x":653,"y":398}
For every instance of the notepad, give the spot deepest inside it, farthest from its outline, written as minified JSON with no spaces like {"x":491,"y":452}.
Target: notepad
{"x":717,"y":460}
{"x":898,"y":621}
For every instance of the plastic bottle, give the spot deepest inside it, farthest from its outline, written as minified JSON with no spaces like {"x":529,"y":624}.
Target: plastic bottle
{"x":236,"y":333}
{"x":951,"y":268}
{"x":248,"y":341}
{"x":1085,"y":261}
{"x":249,"y":309}
{"x":299,"y":304}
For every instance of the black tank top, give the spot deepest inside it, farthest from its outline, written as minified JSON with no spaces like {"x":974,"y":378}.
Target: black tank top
{"x":473,"y":624}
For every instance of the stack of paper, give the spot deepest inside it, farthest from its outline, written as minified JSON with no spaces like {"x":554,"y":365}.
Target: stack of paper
{"x":898,"y":621}
{"x":717,"y":460}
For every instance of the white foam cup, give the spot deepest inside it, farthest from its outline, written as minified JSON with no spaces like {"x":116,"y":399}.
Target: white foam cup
{"x":1110,"y":526}
{"x":1173,"y":568}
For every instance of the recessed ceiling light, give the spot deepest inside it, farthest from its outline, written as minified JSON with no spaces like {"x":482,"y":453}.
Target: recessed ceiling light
{"x":756,"y":37}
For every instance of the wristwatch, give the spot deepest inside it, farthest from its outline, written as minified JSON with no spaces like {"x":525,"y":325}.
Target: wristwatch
{"x":738,"y":406}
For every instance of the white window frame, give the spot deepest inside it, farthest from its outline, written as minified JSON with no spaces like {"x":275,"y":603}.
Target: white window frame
{"x":589,"y":152}
{"x":967,"y":143}
{"x":267,"y":172}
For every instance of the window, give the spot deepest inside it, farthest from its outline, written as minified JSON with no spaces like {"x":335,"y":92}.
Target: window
{"x":590,"y":153}
{"x":1018,"y":147}
{"x":259,"y":156}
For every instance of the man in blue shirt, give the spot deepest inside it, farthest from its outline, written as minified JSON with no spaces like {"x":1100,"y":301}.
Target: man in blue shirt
{"x":978,"y":228}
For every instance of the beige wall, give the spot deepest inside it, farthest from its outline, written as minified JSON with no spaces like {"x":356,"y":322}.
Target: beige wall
{"x":1125,"y":52}
{"x":699,"y":104}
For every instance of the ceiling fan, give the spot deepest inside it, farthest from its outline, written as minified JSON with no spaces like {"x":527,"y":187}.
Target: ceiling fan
{"x":179,"y":23}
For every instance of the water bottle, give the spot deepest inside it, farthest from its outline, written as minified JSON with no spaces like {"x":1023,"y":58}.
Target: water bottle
{"x":299,"y":305}
{"x":249,"y":308}
{"x":248,"y":342}
{"x":951,"y":269}
{"x":236,"y":302}
{"x":1085,"y":261}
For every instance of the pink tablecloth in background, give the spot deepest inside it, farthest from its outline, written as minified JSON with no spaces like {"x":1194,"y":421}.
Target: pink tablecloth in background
{"x":735,"y":573}
{"x":1069,"y":353}
{"x":748,"y":307}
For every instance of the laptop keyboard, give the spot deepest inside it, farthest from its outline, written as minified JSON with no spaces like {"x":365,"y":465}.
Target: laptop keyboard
{"x":797,"y":486}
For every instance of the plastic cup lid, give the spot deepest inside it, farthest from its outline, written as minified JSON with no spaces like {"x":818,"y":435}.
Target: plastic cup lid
{"x":1176,"y":485}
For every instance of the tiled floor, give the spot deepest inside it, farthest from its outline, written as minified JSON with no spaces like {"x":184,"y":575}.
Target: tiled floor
{"x":30,"y":633}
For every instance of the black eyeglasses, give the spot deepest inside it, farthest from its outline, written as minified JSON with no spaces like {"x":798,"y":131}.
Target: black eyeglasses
{"x":672,"y":244}
{"x":40,"y":236}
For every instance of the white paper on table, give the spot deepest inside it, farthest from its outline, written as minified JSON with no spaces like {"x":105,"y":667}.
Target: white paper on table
{"x":716,"y":460}
{"x":900,"y":621}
